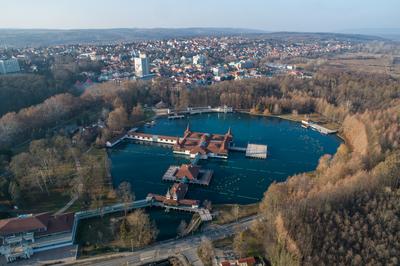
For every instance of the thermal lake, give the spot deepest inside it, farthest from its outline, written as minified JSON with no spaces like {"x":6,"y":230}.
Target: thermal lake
{"x":291,"y":150}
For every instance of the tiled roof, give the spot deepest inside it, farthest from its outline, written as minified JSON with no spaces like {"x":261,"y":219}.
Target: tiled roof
{"x":248,"y":260}
{"x":179,"y":189}
{"x":189,"y":171}
{"x":42,"y":223}
{"x":189,"y":202}
{"x":225,"y":263}
{"x":59,"y":223}
{"x":204,"y":143}
{"x":24,"y":224}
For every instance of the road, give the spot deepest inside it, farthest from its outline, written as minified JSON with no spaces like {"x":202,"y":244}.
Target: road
{"x":162,"y":250}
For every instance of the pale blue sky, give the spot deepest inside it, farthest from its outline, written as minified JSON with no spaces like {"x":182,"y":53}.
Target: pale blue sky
{"x":274,"y":15}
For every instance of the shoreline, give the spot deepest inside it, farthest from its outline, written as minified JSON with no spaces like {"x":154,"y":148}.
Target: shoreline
{"x":287,"y":118}
{"x":226,"y":209}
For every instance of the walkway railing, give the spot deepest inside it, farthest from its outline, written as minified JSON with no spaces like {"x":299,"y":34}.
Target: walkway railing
{"x":120,"y":207}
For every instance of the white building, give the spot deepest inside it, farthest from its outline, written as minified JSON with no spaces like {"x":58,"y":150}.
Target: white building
{"x":218,"y":71}
{"x":199,"y":60}
{"x":9,"y":66}
{"x":142,"y":66}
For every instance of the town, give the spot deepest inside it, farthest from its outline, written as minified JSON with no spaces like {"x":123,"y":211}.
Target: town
{"x":197,"y":61}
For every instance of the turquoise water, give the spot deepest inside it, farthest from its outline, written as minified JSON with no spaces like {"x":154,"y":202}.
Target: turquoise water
{"x":291,"y":149}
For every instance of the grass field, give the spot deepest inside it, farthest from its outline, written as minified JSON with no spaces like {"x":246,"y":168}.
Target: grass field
{"x":226,"y":212}
{"x":315,"y":117}
{"x":365,"y":62}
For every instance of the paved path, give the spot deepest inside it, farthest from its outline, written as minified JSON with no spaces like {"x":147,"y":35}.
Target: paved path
{"x":66,"y":207}
{"x":186,"y":246}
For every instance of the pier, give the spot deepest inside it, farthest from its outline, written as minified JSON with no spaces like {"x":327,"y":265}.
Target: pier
{"x":175,"y":116}
{"x":202,"y":110}
{"x":240,"y":149}
{"x":205,"y":214}
{"x":152,"y":138}
{"x":256,"y":151}
{"x":116,"y":140}
{"x":316,"y":127}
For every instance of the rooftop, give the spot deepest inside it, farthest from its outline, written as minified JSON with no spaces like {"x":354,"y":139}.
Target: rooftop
{"x":42,"y":224}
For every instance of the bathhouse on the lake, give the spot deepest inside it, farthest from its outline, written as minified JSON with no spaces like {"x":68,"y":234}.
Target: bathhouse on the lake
{"x":204,"y":145}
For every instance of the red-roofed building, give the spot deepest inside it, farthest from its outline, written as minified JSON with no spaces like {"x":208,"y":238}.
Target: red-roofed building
{"x":204,"y":144}
{"x":227,"y":263}
{"x":177,"y":192}
{"x":22,"y":235}
{"x":188,"y":171}
{"x":249,"y":261}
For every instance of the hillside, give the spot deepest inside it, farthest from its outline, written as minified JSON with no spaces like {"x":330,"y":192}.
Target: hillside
{"x":45,"y":37}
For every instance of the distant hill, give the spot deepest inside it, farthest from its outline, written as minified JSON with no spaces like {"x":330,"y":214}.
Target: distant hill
{"x":44,"y":37}
{"x":320,"y":36}
{"x":387,"y":33}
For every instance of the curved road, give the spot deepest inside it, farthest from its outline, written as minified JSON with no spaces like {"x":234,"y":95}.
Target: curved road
{"x":186,"y":246}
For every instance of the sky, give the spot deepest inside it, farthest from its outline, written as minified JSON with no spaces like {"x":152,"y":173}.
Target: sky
{"x":269,"y":15}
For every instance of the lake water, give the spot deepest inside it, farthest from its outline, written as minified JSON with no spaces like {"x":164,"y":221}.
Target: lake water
{"x":291,"y":149}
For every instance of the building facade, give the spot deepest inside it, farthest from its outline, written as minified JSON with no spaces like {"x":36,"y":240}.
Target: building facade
{"x":199,"y":60}
{"x":22,"y":236}
{"x":142,"y":66}
{"x":9,"y":66}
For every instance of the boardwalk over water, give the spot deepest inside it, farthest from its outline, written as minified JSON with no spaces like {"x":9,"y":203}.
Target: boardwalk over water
{"x":257,"y":151}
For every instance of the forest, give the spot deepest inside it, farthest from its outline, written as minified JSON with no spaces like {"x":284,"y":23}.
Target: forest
{"x":332,"y":94}
{"x":347,"y":211}
{"x":22,"y":91}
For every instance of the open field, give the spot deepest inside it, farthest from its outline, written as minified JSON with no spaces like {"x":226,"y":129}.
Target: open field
{"x":315,"y":117}
{"x":365,"y":62}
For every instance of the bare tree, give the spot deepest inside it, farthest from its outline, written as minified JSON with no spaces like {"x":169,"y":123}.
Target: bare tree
{"x":182,"y":228}
{"x":236,"y":211}
{"x":206,"y":251}
{"x":117,"y":119}
{"x":125,"y":194}
{"x":137,"y":230}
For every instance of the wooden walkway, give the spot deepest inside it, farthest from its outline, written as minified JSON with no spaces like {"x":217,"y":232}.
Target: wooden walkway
{"x":257,"y":151}
{"x":205,"y":214}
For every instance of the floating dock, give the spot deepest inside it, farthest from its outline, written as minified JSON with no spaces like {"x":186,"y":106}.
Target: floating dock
{"x":256,"y":151}
{"x":316,"y":127}
{"x":173,"y":117}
